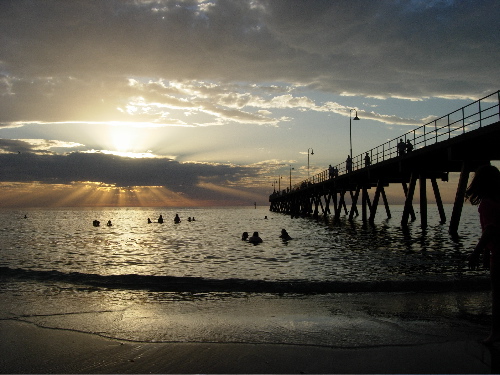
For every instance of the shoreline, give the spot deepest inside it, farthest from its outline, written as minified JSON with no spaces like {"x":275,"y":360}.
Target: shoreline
{"x":195,"y":284}
{"x":27,"y":348}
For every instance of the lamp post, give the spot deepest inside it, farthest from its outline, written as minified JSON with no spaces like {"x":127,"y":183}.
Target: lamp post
{"x":350,"y":128}
{"x":279,"y":183}
{"x":290,"y":176}
{"x":311,"y":153}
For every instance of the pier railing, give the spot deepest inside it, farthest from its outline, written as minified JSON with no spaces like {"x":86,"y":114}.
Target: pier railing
{"x":478,"y":114}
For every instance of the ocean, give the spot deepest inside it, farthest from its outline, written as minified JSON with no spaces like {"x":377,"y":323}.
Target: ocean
{"x":197,"y":281}
{"x":210,"y":248}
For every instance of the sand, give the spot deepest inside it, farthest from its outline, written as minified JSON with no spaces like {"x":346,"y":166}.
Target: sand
{"x":27,"y":348}
{"x":63,"y":328}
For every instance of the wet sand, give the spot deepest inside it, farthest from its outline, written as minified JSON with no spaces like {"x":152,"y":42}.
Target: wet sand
{"x":27,"y":348}
{"x":63,"y":328}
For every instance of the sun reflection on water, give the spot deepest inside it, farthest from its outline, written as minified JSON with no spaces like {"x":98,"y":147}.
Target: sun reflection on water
{"x":211,"y":246}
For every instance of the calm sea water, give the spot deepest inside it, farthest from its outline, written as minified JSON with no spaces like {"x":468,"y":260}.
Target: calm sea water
{"x":64,"y":243}
{"x":199,"y":282}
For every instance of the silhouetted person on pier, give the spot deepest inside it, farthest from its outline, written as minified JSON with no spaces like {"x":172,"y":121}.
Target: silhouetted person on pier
{"x":484,"y":191}
{"x":348,"y":163}
{"x":409,"y":146}
{"x":401,"y":147}
{"x":330,"y":171}
{"x":367,"y":160}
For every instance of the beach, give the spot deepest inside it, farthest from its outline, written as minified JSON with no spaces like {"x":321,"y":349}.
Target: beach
{"x":194,"y":298}
{"x":29,"y":349}
{"x":252,"y":333}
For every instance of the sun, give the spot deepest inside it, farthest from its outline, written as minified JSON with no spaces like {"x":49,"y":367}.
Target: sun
{"x":122,"y":139}
{"x":127,"y":140}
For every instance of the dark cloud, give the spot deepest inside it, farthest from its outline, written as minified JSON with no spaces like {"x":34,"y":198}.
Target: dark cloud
{"x":14,"y":145}
{"x":115,"y":170}
{"x":400,"y":48}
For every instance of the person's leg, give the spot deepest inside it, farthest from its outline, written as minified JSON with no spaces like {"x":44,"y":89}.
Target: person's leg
{"x":495,"y":303}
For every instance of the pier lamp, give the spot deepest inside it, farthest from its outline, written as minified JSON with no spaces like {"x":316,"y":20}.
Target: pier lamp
{"x":291,"y":176}
{"x":350,"y":127}
{"x":309,"y":153}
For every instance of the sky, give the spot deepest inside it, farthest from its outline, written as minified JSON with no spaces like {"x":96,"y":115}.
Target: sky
{"x":217,"y":103}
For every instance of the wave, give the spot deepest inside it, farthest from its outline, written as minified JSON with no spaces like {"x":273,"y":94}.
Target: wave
{"x":200,"y":285}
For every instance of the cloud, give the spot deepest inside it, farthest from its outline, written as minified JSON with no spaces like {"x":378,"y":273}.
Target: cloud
{"x":149,"y":104}
{"x":71,"y":100}
{"x":383,"y":48}
{"x":14,"y":145}
{"x":196,"y":63}
{"x":115,"y":171}
{"x":163,"y":62}
{"x":24,"y":169}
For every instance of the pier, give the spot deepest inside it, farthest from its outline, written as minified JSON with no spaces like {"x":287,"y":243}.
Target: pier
{"x":457,"y":142}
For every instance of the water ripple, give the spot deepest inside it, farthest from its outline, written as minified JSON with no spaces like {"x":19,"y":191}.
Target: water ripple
{"x":64,"y":240}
